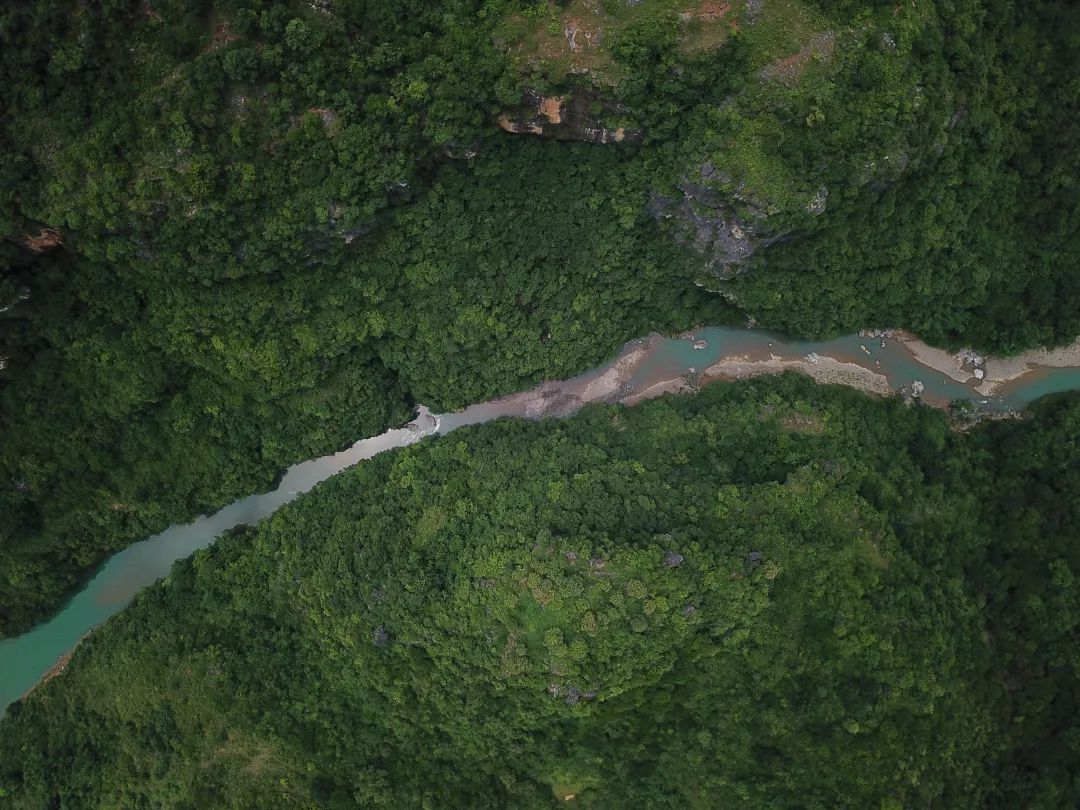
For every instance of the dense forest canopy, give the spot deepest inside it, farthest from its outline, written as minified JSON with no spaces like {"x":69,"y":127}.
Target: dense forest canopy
{"x":770,"y":594}
{"x":235,"y":234}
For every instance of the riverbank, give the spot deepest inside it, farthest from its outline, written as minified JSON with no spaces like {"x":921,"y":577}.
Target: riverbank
{"x":878,"y":363}
{"x":995,"y":370}
{"x":655,"y":365}
{"x":57,"y":668}
{"x":822,"y":369}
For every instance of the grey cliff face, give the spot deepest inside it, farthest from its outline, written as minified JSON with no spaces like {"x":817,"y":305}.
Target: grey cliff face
{"x":705,"y":219}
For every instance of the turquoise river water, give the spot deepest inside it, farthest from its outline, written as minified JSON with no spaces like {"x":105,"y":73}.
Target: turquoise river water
{"x":24,"y":660}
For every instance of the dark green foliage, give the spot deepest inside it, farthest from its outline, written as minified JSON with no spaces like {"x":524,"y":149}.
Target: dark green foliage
{"x":494,"y":619}
{"x":1032,"y":593}
{"x":537,"y":264}
{"x":866,"y":610}
{"x":275,"y":239}
{"x":951,"y":163}
{"x":118,"y":429}
{"x":234,"y":298}
{"x":284,"y":223}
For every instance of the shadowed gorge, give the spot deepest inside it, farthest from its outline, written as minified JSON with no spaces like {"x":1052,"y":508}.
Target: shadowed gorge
{"x":236,"y":235}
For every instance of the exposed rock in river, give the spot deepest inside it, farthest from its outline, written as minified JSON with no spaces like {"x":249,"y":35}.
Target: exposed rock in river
{"x":990,"y":372}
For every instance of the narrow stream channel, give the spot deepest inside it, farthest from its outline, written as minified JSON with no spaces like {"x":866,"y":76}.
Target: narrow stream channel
{"x":643,"y":368}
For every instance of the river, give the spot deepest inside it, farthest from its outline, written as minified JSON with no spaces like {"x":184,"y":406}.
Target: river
{"x":642,"y":369}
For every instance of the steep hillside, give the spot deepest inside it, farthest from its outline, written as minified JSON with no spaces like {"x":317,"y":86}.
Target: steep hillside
{"x":773,"y":594}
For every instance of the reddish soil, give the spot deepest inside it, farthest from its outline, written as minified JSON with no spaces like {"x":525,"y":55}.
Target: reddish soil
{"x":47,"y":238}
{"x":709,"y":11}
{"x":791,"y":68}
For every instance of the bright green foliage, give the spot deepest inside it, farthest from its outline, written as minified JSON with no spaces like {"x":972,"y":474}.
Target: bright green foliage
{"x":493,"y":619}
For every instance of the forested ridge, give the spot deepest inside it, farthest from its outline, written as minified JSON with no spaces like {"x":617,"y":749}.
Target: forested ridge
{"x":234,"y":235}
{"x":769,"y":594}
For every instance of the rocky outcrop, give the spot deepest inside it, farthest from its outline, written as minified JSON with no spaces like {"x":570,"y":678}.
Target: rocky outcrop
{"x":672,"y":559}
{"x":711,"y":221}
{"x":577,"y":116}
{"x":817,"y":203}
